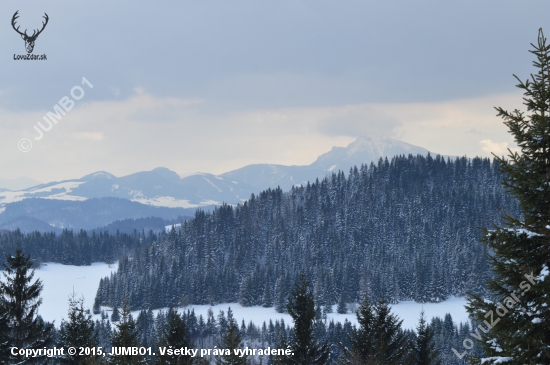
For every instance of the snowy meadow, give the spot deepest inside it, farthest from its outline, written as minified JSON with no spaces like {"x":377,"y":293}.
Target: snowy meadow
{"x":61,"y":280}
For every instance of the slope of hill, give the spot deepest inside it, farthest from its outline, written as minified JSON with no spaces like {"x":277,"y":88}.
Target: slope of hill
{"x":28,"y":224}
{"x":18,"y":184}
{"x":88,"y":214}
{"x":404,"y":229}
{"x":128,"y":226}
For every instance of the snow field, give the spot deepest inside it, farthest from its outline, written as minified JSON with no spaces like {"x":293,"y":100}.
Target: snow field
{"x":60,"y":281}
{"x":408,"y":311}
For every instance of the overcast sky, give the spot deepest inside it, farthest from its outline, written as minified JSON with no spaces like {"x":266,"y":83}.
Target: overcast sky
{"x":215,"y":85}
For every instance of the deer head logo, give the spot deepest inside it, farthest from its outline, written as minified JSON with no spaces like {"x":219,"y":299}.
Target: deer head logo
{"x":29,"y":39}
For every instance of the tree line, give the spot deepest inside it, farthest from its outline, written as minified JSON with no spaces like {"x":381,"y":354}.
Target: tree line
{"x":75,"y":247}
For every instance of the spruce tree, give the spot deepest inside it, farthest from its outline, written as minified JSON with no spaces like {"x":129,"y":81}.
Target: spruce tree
{"x":342,"y":306}
{"x":267,"y":299}
{"x":391,"y":341}
{"x":78,"y":331}
{"x":3,"y":331}
{"x":518,"y":314}
{"x":280,"y":297}
{"x":424,"y":346}
{"x":126,"y":334}
{"x":379,"y":338}
{"x":281,"y":359}
{"x":231,"y":340}
{"x":96,"y":308}
{"x":21,"y":298}
{"x":301,"y":307}
{"x":174,"y":334}
{"x":115,"y":316}
{"x":361,"y":339}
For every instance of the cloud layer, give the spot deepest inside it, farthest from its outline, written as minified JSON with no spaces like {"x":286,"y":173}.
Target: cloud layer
{"x":213,"y":85}
{"x":144,"y":132}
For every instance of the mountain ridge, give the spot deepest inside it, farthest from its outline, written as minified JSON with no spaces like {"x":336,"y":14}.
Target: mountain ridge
{"x":364,"y":150}
{"x":164,"y":188}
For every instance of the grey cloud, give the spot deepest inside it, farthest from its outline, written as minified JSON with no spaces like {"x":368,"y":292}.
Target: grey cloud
{"x":248,"y":54}
{"x":366,"y":121}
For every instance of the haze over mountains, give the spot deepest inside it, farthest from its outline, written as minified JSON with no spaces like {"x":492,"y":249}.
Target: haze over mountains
{"x":363,"y":150}
{"x":100,"y":198}
{"x":17,"y":184}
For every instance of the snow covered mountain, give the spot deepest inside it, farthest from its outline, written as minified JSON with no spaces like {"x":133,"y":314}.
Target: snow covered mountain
{"x":160,"y":187}
{"x":101,"y":198}
{"x":164,"y":188}
{"x":363,"y":150}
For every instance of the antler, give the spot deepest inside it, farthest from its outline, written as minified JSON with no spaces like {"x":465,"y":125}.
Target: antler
{"x":43,"y":23}
{"x":13,"y":19}
{"x":34,"y":34}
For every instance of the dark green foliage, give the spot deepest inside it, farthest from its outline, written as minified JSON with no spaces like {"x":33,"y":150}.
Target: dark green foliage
{"x":305,"y":347}
{"x":21,"y":299}
{"x":103,"y":333}
{"x":342,"y":306}
{"x":281,"y":359}
{"x":231,"y":340}
{"x":126,"y":334}
{"x":267,"y":300}
{"x":115,"y":316}
{"x":3,"y":331}
{"x":96,"y":309}
{"x":362,"y":339}
{"x":378,"y":339}
{"x":520,"y":249}
{"x":280,"y":295}
{"x":74,"y":247}
{"x":424,"y":347}
{"x":388,"y":336}
{"x":77,"y":331}
{"x":174,"y":334}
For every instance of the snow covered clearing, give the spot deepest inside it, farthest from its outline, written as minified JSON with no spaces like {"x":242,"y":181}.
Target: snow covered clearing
{"x":59,"y":281}
{"x":165,"y":201}
{"x":409,"y":312}
{"x":169,"y":228}
{"x":65,"y":188}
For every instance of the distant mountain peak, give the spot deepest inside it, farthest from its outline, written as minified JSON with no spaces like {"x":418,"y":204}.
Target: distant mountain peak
{"x":167,"y":174}
{"x":99,"y":175}
{"x":365,"y":150}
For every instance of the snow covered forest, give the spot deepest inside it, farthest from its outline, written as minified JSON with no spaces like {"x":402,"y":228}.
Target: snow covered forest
{"x":405,"y":229}
{"x":74,"y":248}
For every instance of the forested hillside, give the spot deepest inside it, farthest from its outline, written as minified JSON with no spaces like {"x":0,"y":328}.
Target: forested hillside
{"x":74,"y":248}
{"x":405,"y":229}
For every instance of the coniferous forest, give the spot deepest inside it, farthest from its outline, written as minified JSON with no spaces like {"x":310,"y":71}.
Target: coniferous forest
{"x":74,"y":248}
{"x":405,"y":229}
{"x":310,"y":339}
{"x":399,"y":230}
